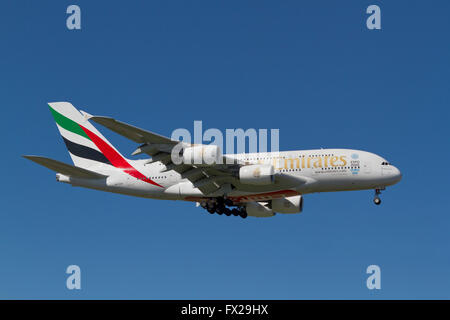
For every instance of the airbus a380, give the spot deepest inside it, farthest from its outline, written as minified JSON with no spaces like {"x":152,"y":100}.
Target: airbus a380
{"x":257,"y":184}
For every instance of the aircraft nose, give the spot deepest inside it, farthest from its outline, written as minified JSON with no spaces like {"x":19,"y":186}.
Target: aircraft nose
{"x":397,"y":175}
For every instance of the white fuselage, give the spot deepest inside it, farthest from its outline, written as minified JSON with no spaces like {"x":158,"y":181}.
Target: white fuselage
{"x":308,"y":171}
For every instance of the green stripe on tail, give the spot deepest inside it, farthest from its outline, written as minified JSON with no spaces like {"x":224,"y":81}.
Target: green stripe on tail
{"x":68,"y":124}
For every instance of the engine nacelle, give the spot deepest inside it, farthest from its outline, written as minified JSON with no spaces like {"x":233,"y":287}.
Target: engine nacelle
{"x":256,"y":209}
{"x":256,"y":174}
{"x":288,"y":205}
{"x":202,"y":155}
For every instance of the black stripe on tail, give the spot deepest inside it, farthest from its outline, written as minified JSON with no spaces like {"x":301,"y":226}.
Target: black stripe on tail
{"x":85,"y":152}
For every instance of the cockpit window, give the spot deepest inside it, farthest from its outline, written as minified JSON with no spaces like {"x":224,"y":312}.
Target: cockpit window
{"x":384,"y":163}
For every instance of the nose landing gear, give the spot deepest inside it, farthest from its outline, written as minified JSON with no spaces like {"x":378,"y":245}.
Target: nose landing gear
{"x":377,"y":199}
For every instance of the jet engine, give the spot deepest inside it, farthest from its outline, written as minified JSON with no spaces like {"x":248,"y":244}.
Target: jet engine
{"x":256,"y":209}
{"x":256,"y":174}
{"x":202,"y":155}
{"x":292,"y":204}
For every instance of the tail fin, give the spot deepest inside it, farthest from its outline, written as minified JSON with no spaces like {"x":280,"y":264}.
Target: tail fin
{"x":86,"y":145}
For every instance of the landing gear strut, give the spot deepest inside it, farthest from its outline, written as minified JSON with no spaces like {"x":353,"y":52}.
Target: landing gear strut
{"x":377,"y":199}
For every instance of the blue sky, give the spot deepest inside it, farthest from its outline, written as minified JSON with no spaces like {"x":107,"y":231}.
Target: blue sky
{"x":311,"y":69}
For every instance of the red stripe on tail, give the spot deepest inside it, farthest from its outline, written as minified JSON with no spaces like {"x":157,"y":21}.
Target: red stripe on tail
{"x":115,"y":158}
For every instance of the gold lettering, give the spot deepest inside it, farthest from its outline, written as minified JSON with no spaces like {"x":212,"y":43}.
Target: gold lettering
{"x":325,"y":164}
{"x":276,"y":163}
{"x":291,"y":160}
{"x":333,"y":160}
{"x":344,"y":161}
{"x":318,"y":162}
{"x":309,"y":162}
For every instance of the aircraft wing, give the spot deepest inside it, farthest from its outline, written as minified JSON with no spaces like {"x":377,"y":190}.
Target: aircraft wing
{"x":131,"y":132}
{"x":207,"y":179}
{"x":211,"y":180}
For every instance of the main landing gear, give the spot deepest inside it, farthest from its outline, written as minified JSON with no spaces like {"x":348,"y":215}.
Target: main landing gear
{"x":377,"y":199}
{"x":219,"y":206}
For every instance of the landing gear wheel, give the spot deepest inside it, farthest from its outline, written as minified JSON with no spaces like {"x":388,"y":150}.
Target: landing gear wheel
{"x":243,"y":214}
{"x":227,"y":212}
{"x":235,"y":212}
{"x":211,"y":210}
{"x":220,"y":209}
{"x":377,"y":199}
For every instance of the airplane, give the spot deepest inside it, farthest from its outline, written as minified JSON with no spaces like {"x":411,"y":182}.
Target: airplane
{"x":247,"y":184}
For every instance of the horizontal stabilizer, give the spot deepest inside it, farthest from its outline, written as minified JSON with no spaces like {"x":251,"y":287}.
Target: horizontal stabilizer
{"x":64,"y":168}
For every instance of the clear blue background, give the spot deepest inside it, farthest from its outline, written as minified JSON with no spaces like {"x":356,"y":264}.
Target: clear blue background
{"x":311,"y":69}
